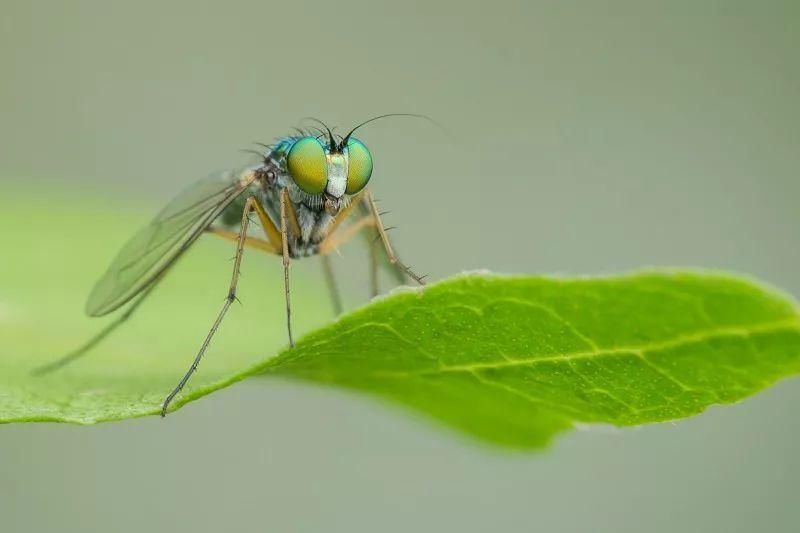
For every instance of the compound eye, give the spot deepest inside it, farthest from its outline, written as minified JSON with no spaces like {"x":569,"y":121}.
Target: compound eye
{"x":308,"y":165}
{"x":359,"y":167}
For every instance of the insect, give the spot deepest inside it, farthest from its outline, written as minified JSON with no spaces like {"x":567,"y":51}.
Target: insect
{"x":305,"y":188}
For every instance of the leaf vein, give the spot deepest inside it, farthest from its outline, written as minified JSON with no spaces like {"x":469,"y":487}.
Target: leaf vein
{"x":791,"y":324}
{"x":553,"y":313}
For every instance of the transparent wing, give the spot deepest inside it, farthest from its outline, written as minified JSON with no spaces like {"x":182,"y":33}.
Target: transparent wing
{"x":156,"y":246}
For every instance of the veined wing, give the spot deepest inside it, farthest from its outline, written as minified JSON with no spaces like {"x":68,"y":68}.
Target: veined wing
{"x":159,"y":244}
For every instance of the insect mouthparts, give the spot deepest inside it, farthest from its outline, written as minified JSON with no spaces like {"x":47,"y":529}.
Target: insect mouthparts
{"x":332,"y":205}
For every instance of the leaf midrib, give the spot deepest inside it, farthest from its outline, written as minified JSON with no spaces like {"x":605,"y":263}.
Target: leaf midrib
{"x":788,"y":324}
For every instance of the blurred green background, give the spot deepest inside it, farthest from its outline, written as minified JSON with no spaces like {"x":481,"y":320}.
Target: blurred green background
{"x":584,"y":138}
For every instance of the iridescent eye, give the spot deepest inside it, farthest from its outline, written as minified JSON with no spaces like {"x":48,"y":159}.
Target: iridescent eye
{"x":359,"y":167}
{"x":308,"y":165}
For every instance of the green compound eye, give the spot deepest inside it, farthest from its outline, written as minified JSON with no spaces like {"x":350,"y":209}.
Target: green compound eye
{"x":359,"y":167}
{"x":308,"y":165}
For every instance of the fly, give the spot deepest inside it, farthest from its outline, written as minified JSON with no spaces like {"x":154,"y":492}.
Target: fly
{"x":306,"y":186}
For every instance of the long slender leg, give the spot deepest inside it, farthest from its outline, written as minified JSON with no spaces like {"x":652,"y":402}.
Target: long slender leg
{"x":277,"y":242}
{"x":270,"y":230}
{"x":250,"y":242}
{"x":259,"y":244}
{"x":387,"y":245}
{"x":333,"y":288}
{"x":364,"y":210}
{"x":286,"y":262}
{"x":334,"y":240}
{"x":98,"y":338}
{"x":381,"y":259}
{"x":373,"y":271}
{"x":237,"y":262}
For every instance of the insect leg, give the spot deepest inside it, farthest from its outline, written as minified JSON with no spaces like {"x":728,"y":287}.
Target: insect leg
{"x":273,"y":233}
{"x":378,"y":259}
{"x":334,"y":240}
{"x":330,"y":280}
{"x":387,"y":245}
{"x":237,"y":262}
{"x":286,"y":261}
{"x":250,"y":242}
{"x":373,"y":271}
{"x":98,"y":338}
{"x":278,"y":242}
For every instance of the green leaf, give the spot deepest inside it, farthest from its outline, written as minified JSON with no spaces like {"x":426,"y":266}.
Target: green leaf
{"x":510,"y":360}
{"x":516,"y":360}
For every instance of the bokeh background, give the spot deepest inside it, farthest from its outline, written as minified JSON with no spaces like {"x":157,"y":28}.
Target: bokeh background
{"x":583,"y":137}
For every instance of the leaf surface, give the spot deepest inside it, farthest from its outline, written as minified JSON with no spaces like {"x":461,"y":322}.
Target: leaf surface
{"x":516,"y":360}
{"x":510,"y":360}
